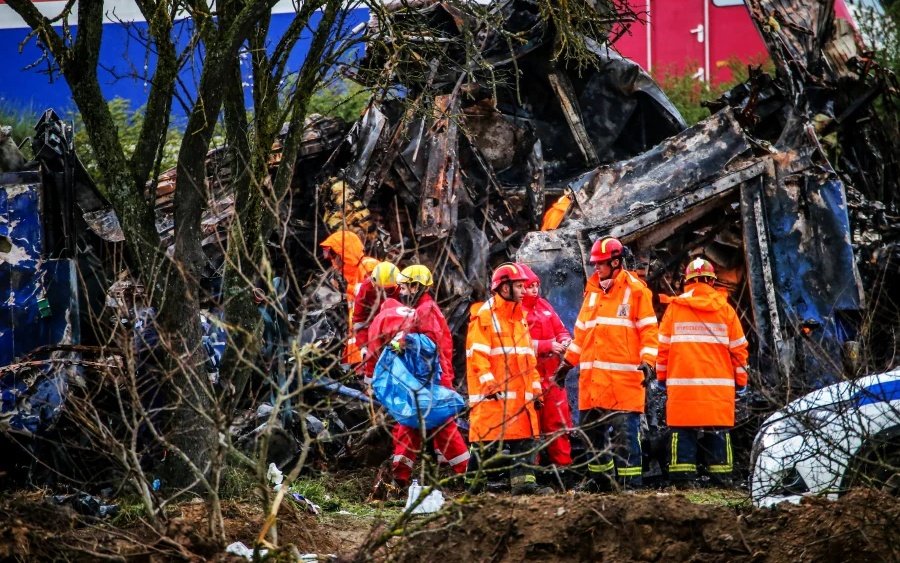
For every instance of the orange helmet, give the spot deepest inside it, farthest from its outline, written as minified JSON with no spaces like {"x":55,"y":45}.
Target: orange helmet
{"x":606,"y":249}
{"x":507,"y":272}
{"x":699,"y":268}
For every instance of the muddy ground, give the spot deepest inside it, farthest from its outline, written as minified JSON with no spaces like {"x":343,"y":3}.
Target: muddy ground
{"x":863,"y":526}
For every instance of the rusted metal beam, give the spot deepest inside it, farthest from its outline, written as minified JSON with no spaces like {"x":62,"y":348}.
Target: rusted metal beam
{"x":568,"y":102}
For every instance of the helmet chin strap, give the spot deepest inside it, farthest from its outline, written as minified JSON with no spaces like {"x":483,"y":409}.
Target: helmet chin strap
{"x":613,"y":270}
{"x":508,"y":286}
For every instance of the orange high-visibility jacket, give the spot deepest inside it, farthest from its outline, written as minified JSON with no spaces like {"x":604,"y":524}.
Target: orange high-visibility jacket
{"x":614,"y":333}
{"x":349,"y":247}
{"x":557,"y":212}
{"x":702,"y":354}
{"x":501,"y":371}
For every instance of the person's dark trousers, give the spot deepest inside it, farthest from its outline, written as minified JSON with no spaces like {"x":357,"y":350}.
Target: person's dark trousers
{"x":691,"y":447}
{"x":516,"y":459}
{"x":521,"y":471}
{"x":615,"y":447}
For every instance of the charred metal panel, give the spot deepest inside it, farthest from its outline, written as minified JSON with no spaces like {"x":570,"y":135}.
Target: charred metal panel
{"x":437,"y":205}
{"x":38,"y":301}
{"x":38,"y":308}
{"x":624,"y":110}
{"x":667,"y":171}
{"x":807,"y":291}
{"x":558,"y":258}
{"x":562,"y":86}
{"x":364,"y":137}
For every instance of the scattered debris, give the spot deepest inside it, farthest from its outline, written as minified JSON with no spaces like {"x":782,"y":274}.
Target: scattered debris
{"x":431,"y":503}
{"x":87,"y":505}
{"x":762,"y":187}
{"x":238,"y":548}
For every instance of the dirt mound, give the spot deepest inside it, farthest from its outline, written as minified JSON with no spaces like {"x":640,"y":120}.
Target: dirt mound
{"x":653,"y":527}
{"x":32,"y":528}
{"x":861,"y":526}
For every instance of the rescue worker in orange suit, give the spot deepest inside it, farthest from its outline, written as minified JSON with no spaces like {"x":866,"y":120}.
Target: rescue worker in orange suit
{"x":557,"y":212}
{"x":504,"y":385}
{"x":702,"y":354}
{"x":344,"y":250}
{"x":426,"y":318}
{"x":550,"y":339}
{"x":379,"y":285}
{"x":615,"y":348}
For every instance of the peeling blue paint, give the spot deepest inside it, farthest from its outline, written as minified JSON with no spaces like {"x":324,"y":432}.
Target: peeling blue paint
{"x":38,"y":303}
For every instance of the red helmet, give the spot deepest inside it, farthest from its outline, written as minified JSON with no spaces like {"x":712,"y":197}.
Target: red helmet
{"x":699,"y":268}
{"x":530,"y":276}
{"x":606,"y":249}
{"x":507,"y":272}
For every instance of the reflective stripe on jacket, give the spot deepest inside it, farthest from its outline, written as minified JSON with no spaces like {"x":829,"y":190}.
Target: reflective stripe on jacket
{"x":349,"y":247}
{"x":501,"y":374}
{"x":702,"y":354}
{"x":614,"y":333}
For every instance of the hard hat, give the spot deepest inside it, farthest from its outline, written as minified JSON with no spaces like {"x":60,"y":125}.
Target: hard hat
{"x":384,"y":274}
{"x":699,"y":268}
{"x":606,"y":249}
{"x":416,"y":273}
{"x":507,"y":272}
{"x":530,"y":276}
{"x":369,"y":263}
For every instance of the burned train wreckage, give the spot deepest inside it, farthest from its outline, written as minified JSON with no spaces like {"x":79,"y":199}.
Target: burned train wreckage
{"x":458,"y":171}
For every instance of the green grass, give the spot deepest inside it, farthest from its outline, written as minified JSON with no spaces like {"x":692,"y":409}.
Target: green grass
{"x":131,"y":509}
{"x":22,"y":120}
{"x":730,"y":498}
{"x":237,"y":483}
{"x":334,"y":494}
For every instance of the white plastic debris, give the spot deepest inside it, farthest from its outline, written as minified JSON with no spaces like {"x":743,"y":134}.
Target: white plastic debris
{"x":238,"y":548}
{"x":275,"y":476}
{"x":432,"y":503}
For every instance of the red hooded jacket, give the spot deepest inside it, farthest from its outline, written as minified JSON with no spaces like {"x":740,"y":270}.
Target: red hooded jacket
{"x":425,"y":319}
{"x":545,"y":328}
{"x":367,"y":305}
{"x":431,"y":322}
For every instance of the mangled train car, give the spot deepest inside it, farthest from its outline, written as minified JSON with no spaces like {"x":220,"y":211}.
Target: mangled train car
{"x":752,"y":188}
{"x":457,"y":166}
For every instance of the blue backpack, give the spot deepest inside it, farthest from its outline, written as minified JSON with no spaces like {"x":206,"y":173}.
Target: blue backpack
{"x":407,"y":384}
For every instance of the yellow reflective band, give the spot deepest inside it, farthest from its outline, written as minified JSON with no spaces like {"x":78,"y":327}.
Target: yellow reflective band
{"x":682,"y":467}
{"x":601,"y":467}
{"x":629,"y":471}
{"x":674,"y":460}
{"x":720,"y":468}
{"x":728,"y":452}
{"x":530,"y":478}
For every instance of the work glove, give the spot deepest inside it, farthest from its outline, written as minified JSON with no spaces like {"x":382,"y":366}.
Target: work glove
{"x":538,"y":404}
{"x":398,"y":343}
{"x":559,"y":376}
{"x":741,"y":391}
{"x":649,"y":373}
{"x":364,"y":352}
{"x":661,"y":385}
